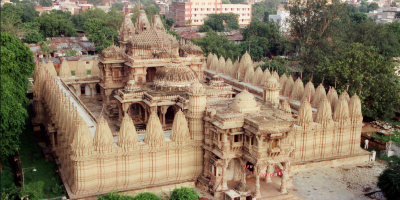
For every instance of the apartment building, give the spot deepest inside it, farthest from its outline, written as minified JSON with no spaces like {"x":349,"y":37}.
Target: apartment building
{"x":194,"y":12}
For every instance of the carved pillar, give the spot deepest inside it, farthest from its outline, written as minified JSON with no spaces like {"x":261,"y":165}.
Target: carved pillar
{"x":284,"y":181}
{"x":257,"y":173}
{"x":77,"y":90}
{"x":92,"y":88}
{"x":145,"y":112}
{"x":243,"y":164}
{"x":270,"y":170}
{"x":163,"y":112}
{"x":108,"y":93}
{"x":120,"y":110}
{"x":224,"y":175}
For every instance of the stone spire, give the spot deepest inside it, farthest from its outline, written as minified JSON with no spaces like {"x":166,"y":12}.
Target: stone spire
{"x":265,"y":77}
{"x":235,"y":69}
{"x":157,"y":23}
{"x":324,"y":113}
{"x":355,"y":109}
{"x":345,"y":95}
{"x":103,"y":138}
{"x":50,"y":68}
{"x":332,"y":97}
{"x":304,"y":116}
{"x":214,"y":63}
{"x":249,"y":75}
{"x":245,"y":63}
{"x":82,"y":141}
{"x":309,"y":86}
{"x":127,"y":138}
{"x":221,"y":64}
{"x":80,"y":69}
{"x":341,"y":113}
{"x":142,"y":23}
{"x":288,"y":86}
{"x":65,"y":72}
{"x":95,"y":68}
{"x":204,"y":66}
{"x":276,"y":76}
{"x":319,"y":95}
{"x":257,"y":76}
{"x":127,"y":29}
{"x":154,"y":136}
{"x":298,"y":90}
{"x":228,"y":67}
{"x":180,"y":131}
{"x":282,"y":80}
{"x":209,"y":59}
{"x":196,"y":88}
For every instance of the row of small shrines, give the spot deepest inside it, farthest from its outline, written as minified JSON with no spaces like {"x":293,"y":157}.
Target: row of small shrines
{"x":342,"y":107}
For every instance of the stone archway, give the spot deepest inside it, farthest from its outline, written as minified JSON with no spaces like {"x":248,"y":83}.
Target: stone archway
{"x":170,"y":114}
{"x":234,"y":170}
{"x":137,"y":112}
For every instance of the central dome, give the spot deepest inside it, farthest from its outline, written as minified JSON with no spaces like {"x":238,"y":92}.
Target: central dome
{"x":175,"y":76}
{"x":245,"y":102}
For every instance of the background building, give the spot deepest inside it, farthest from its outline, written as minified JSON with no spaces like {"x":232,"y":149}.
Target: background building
{"x":194,"y":12}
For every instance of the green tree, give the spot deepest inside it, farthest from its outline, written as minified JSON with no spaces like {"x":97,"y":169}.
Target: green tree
{"x":268,"y":12}
{"x":11,"y":19}
{"x":29,"y":13}
{"x":216,"y":22}
{"x":117,"y":6}
{"x":265,"y":35}
{"x":168,"y":22}
{"x":372,"y":6}
{"x":314,"y":29}
{"x":364,"y":65}
{"x":46,"y":3}
{"x":32,"y":34}
{"x":238,"y":1}
{"x":363,"y":7}
{"x":16,"y":65}
{"x":226,"y":2}
{"x":278,"y":64}
{"x":389,"y":181}
{"x":272,"y":3}
{"x":56,"y":23}
{"x":258,"y":10}
{"x":103,"y":38}
{"x":184,"y":193}
{"x":151,"y":11}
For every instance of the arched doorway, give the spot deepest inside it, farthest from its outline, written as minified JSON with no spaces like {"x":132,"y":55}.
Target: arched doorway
{"x":170,"y":115}
{"x":234,"y":170}
{"x":137,"y":113}
{"x":98,"y":90}
{"x":151,"y":73}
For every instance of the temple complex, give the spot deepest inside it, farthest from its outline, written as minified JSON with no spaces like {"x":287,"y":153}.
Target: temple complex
{"x":151,"y":113}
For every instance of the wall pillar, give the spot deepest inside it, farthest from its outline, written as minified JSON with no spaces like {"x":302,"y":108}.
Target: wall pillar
{"x":92,"y":89}
{"x":284,"y":181}
{"x":77,"y":89}
{"x":163,"y":112}
{"x":243,"y":178}
{"x":224,"y":182}
{"x":270,"y":170}
{"x":257,"y":173}
{"x":108,"y":93}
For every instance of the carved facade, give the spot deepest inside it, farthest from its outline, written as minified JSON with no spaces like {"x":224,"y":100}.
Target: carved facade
{"x":145,"y":116}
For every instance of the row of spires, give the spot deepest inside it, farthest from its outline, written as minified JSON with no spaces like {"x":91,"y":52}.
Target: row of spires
{"x":70,"y":124}
{"x":65,"y":71}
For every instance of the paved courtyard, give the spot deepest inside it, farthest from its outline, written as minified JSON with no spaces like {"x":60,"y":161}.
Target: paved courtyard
{"x":346,"y":182}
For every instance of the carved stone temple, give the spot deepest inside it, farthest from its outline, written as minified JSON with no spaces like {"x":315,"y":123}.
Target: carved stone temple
{"x":151,"y":113}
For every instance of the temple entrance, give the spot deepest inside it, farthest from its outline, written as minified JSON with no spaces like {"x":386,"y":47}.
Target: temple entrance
{"x":98,"y":91}
{"x":137,"y":113}
{"x":151,"y":73}
{"x":234,"y":170}
{"x":169,"y":115}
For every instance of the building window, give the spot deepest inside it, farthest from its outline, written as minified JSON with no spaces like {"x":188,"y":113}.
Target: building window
{"x":116,"y":74}
{"x":73,"y":73}
{"x":87,"y":62}
{"x":82,"y":89}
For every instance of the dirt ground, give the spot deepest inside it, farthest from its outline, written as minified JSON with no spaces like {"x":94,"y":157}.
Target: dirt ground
{"x":346,"y":182}
{"x":368,"y":128}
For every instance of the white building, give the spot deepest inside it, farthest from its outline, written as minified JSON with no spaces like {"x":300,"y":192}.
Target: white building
{"x":281,"y":19}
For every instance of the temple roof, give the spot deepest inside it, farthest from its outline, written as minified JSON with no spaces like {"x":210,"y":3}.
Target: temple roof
{"x":154,"y":38}
{"x":175,"y":75}
{"x":113,"y":52}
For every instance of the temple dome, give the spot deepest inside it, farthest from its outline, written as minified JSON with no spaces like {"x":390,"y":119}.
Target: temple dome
{"x":272,"y":83}
{"x":197,"y":88}
{"x":245,"y":102}
{"x":175,"y":76}
{"x":113,"y":52}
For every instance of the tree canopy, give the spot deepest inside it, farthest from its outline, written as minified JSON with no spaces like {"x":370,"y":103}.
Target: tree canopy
{"x":184,"y":193}
{"x":216,"y":22}
{"x":16,"y":65}
{"x":56,"y":23}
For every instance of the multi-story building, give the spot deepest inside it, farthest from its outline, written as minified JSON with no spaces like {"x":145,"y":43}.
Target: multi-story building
{"x":194,"y":12}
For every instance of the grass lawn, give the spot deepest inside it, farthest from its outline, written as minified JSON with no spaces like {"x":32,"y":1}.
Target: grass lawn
{"x":32,"y":156}
{"x":395,"y":138}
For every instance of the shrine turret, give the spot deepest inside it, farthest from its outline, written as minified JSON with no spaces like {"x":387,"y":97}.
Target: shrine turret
{"x":154,"y":136}
{"x":103,"y":138}
{"x":180,"y":130}
{"x":127,"y":138}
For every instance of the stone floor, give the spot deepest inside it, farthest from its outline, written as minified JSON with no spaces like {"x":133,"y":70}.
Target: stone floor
{"x":346,"y":182}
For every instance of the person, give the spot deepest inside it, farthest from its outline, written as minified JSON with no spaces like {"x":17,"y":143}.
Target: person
{"x":366,"y":144}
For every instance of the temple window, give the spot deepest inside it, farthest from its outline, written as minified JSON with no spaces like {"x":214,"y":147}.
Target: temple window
{"x":89,"y":72}
{"x":88,"y":62}
{"x":273,"y":144}
{"x":73,"y":73}
{"x":82,"y":89}
{"x":237,"y":138}
{"x":116,"y":74}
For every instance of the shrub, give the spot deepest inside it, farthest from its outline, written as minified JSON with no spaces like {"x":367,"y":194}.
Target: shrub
{"x":389,"y":181}
{"x":184,"y":193}
{"x":146,"y":196}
